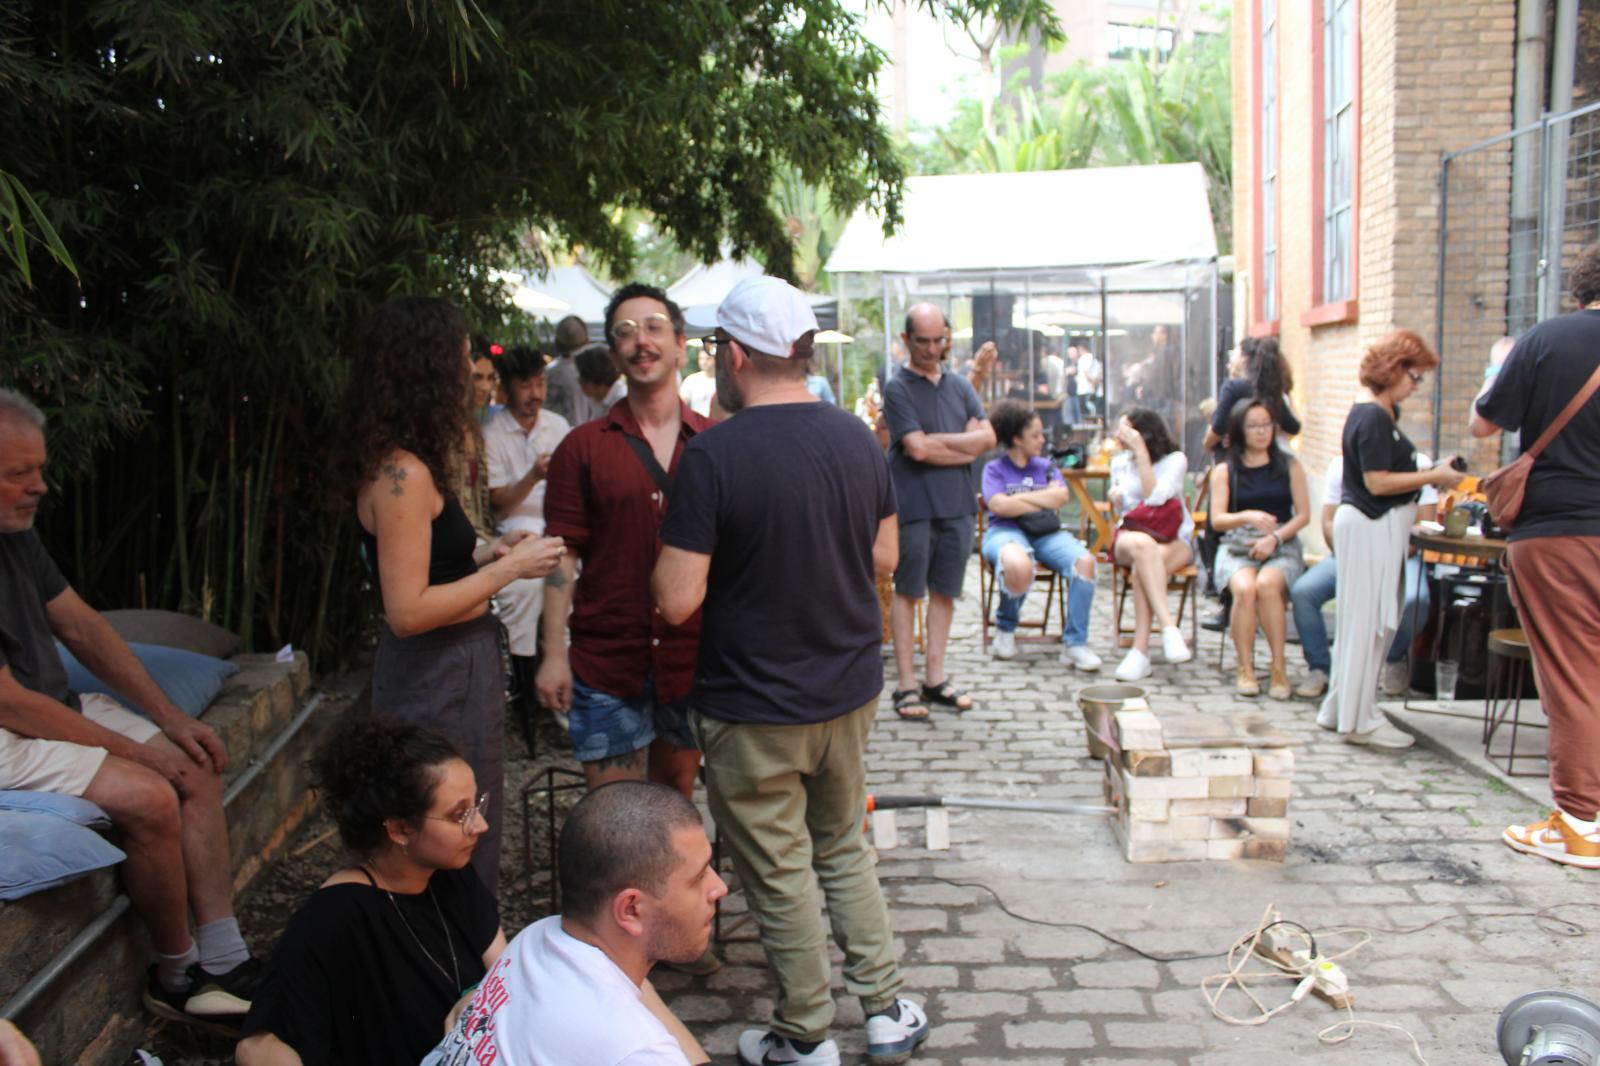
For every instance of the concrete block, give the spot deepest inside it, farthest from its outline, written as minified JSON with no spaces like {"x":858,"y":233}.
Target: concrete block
{"x":1272,"y":788}
{"x":1136,"y":729}
{"x":1227,"y":829}
{"x":1268,"y":828}
{"x":1150,"y":810}
{"x":1274,"y":762}
{"x":1141,"y":763}
{"x":937,"y":829}
{"x":1190,"y":828}
{"x":1232,"y":787}
{"x":1164,"y":787}
{"x":885,"y":833}
{"x":1211,"y":762}
{"x":1224,"y":850}
{"x":1233,"y":807}
{"x":1265,"y":807}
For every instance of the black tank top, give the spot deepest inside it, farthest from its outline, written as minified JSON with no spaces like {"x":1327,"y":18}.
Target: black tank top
{"x":1257,"y":488}
{"x":450,"y":557}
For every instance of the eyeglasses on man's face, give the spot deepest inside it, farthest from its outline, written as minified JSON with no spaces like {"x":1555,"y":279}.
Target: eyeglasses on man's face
{"x":657,"y":327}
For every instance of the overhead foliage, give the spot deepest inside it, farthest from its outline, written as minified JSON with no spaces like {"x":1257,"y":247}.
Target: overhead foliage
{"x":239,"y":184}
{"x":1136,"y":111}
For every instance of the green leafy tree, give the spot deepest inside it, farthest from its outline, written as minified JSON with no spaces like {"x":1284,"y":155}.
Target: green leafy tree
{"x":240,"y":184}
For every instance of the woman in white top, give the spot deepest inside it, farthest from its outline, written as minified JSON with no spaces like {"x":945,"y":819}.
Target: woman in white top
{"x":1150,"y":470}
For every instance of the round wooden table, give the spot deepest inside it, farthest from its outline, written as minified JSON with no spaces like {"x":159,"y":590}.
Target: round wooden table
{"x":1487,"y":549}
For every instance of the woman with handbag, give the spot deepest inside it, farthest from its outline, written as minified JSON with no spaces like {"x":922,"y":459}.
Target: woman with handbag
{"x":1155,"y":537}
{"x":1550,"y":500}
{"x":1259,"y":503}
{"x":1371,"y":530}
{"x":1023,"y":492}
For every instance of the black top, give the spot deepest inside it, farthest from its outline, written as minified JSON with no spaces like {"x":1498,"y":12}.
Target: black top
{"x":1235,"y":389}
{"x":449,"y":555}
{"x":29,"y":580}
{"x":1258,"y":488}
{"x":1374,"y":441}
{"x":786,"y":499}
{"x":1549,"y":365}
{"x":348,"y":983}
{"x":910,"y":403}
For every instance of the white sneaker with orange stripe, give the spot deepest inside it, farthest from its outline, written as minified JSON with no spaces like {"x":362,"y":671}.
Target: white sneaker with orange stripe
{"x":1556,"y":840}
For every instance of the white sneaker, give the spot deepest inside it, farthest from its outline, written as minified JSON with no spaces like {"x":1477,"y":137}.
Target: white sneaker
{"x":1004,"y":646}
{"x":1080,"y":656}
{"x":1386,"y":738}
{"x":891,"y":1040}
{"x":1173,"y":647}
{"x":761,"y":1047}
{"x":1314,"y":686}
{"x":1396,"y":679}
{"x":1134,"y":665}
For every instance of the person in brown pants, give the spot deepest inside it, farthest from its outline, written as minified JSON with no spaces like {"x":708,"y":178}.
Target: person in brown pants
{"x":1554,"y":554}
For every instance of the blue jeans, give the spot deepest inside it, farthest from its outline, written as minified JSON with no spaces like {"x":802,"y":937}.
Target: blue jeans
{"x":1317,"y":586}
{"x":1059,"y":551}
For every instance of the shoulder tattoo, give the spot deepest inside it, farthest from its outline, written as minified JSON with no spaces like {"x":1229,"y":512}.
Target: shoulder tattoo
{"x":396,"y":475}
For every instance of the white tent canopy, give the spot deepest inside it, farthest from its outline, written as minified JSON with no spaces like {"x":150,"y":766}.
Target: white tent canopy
{"x":1034,"y":220}
{"x":578,"y":289}
{"x":709,"y":284}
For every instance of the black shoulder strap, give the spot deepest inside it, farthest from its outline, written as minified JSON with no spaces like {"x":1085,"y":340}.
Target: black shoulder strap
{"x":647,"y":458}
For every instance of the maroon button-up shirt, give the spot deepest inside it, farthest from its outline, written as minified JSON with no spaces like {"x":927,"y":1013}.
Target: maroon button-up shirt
{"x":602,"y":502}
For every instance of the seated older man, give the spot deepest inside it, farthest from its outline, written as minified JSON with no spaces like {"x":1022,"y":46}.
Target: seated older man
{"x":157,"y":777}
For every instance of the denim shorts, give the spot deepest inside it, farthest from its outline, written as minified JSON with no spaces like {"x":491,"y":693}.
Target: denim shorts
{"x":604,"y":726}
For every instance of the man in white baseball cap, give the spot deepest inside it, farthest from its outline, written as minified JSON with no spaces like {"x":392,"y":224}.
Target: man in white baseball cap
{"x":779,"y":520}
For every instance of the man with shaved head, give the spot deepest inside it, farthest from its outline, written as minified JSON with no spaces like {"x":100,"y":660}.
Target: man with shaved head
{"x":936,"y":429}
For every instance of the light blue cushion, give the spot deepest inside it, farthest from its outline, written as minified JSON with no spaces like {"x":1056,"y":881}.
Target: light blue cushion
{"x":43,"y":850}
{"x":191,"y":681}
{"x":72,"y":808}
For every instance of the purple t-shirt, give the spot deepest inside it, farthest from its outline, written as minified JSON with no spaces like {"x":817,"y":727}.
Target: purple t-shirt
{"x":1003,"y":477}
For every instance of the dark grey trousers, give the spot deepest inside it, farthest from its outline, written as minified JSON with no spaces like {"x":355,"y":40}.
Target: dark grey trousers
{"x":451,"y":680}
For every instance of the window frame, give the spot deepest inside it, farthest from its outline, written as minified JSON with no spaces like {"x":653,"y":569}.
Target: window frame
{"x":1327,"y":306}
{"x":1266,"y":304}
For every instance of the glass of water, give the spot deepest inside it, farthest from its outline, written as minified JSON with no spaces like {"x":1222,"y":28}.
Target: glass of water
{"x":1445,"y":673}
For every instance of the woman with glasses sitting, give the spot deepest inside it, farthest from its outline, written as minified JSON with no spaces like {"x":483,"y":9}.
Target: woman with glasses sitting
{"x":1259,"y":503}
{"x":372,"y":962}
{"x":1371,"y":530}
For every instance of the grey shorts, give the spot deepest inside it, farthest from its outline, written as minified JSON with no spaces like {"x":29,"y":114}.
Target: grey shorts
{"x":934,"y":554}
{"x":1288,"y":559}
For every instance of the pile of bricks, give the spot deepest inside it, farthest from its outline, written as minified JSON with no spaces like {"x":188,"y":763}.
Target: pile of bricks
{"x":1198,"y":786}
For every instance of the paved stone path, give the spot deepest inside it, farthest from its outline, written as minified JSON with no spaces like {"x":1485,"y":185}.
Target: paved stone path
{"x":1379,"y":841}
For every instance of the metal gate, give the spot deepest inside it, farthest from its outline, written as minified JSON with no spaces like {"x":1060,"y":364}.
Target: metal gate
{"x":1515,"y":211}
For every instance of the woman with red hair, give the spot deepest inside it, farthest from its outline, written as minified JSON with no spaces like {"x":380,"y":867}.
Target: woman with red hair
{"x":1371,"y":530}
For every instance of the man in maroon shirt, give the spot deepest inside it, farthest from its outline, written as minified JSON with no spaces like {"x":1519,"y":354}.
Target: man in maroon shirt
{"x":626,"y":676}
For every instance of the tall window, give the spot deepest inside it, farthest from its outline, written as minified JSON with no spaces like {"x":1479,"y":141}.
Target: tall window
{"x":1128,"y":41}
{"x":1269,"y":161}
{"x":1338,"y":147}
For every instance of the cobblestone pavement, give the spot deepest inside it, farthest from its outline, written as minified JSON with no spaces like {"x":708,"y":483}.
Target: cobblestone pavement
{"x":1378,"y":841}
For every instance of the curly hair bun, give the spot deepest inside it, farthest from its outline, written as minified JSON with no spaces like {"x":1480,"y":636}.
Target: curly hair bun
{"x":371,"y":770}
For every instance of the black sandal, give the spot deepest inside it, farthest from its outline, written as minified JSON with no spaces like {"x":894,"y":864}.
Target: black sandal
{"x":907,"y":704}
{"x":947,"y":695}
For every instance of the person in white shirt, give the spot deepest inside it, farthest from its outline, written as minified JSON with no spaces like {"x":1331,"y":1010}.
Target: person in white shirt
{"x":637,"y":888}
{"x":700,"y":388}
{"x":518,"y":443}
{"x":1090,"y":377}
{"x":1314,"y":588}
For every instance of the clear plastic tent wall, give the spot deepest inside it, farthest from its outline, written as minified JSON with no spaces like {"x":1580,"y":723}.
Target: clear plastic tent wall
{"x":1037,"y":263}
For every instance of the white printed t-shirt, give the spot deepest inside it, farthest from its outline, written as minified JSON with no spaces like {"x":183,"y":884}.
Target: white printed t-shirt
{"x":553,"y":1000}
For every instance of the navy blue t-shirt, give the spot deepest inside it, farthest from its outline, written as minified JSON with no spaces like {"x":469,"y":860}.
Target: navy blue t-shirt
{"x":786,"y":499}
{"x":1548,"y":367}
{"x":28,"y":581}
{"x":910,"y":403}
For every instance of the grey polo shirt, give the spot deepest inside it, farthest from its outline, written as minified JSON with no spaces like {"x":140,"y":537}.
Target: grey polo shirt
{"x":911,"y":403}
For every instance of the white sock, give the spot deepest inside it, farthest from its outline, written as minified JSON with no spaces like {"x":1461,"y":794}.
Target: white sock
{"x":1579,"y":826}
{"x":221,"y":947}
{"x":173,"y":970}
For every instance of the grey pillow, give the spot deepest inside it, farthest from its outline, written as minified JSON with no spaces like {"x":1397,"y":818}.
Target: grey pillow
{"x":173,"y":630}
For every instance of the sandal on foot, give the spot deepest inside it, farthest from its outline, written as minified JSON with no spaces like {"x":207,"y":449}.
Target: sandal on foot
{"x":947,"y":695}
{"x":908,"y":705}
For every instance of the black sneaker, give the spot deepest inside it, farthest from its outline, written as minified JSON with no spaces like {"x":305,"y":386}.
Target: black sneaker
{"x":223,"y":998}
{"x":170,"y":1005}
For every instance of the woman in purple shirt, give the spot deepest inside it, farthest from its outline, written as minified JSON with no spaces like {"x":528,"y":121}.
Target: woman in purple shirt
{"x":1022,"y":492}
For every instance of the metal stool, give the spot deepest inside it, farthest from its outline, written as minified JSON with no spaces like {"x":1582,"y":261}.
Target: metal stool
{"x":1504,"y":700}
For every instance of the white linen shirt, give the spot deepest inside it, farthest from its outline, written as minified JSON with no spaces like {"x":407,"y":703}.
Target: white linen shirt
{"x":1169,"y":472}
{"x":512,"y":453}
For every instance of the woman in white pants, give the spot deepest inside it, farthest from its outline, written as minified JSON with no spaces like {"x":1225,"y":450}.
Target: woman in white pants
{"x":1370,"y":532}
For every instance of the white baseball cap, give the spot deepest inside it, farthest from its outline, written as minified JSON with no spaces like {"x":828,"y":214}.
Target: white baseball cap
{"x":767,"y":314}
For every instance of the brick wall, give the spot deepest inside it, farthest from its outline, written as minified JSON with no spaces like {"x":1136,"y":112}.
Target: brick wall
{"x":1434,"y":76}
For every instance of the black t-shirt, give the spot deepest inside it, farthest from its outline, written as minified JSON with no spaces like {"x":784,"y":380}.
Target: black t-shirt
{"x":1235,"y":389}
{"x":786,"y":499}
{"x":29,"y":580}
{"x":1374,"y":441}
{"x":1547,"y":368}
{"x":348,"y":983}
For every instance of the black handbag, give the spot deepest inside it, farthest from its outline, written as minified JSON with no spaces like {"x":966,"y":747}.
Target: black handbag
{"x":1039,"y":523}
